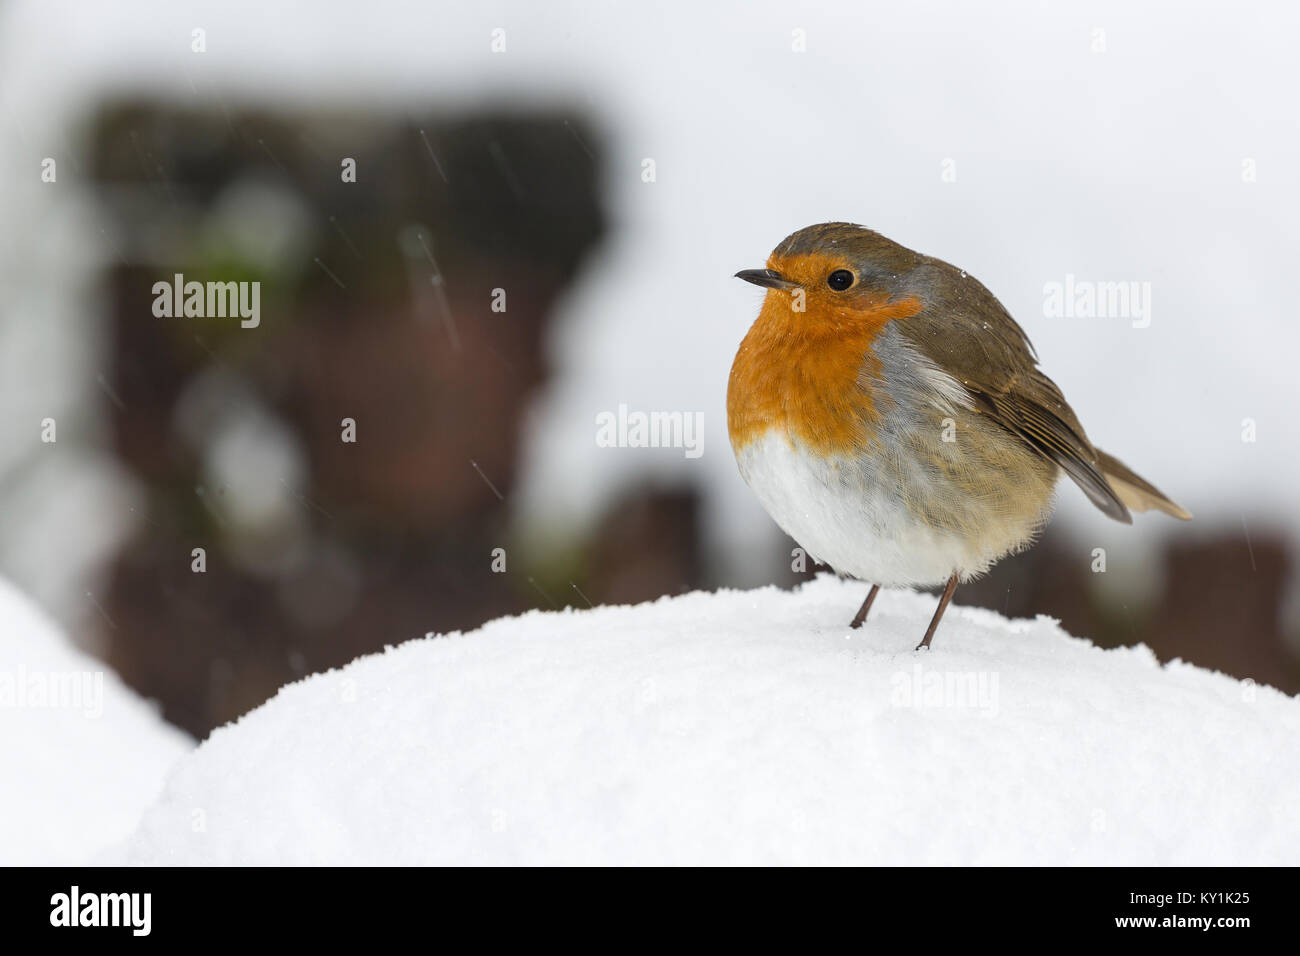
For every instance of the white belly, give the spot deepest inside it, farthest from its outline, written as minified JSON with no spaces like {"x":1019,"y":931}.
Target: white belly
{"x":852,"y":516}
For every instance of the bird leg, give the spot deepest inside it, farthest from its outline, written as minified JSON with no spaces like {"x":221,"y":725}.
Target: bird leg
{"x":866,"y":607}
{"x":943,"y":606}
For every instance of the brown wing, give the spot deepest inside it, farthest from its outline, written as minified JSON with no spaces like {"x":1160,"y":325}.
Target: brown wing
{"x":966,"y":331}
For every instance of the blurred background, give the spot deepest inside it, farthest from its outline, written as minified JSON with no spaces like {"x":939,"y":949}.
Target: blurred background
{"x":478,"y":228}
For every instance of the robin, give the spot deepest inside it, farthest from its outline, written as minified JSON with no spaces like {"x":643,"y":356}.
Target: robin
{"x":891,"y":417}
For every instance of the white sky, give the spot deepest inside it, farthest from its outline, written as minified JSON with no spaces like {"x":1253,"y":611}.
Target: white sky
{"x":1122,"y":165}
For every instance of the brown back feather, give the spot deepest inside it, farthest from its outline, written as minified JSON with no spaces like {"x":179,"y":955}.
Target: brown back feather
{"x":966,"y":331}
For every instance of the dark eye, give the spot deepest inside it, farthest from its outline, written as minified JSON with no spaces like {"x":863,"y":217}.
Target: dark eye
{"x":840,"y":279}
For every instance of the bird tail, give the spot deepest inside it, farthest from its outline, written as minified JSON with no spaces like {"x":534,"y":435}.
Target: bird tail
{"x":1136,"y":492}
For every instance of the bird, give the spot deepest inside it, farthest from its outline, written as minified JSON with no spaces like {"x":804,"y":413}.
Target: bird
{"x":891,"y":417}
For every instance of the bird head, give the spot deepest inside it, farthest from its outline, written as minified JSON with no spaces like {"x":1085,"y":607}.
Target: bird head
{"x":838,"y":273}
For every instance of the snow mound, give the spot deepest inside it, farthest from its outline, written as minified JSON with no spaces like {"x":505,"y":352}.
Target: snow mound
{"x":82,"y":755}
{"x":745,"y":727}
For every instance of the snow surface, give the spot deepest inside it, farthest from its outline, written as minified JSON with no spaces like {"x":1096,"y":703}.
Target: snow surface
{"x":745,"y":727}
{"x":82,"y":755}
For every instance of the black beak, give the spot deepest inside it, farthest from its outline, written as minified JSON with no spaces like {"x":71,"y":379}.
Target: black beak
{"x":766,"y":278}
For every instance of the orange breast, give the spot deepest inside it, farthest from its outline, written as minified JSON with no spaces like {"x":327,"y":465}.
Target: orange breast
{"x":809,"y":375}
